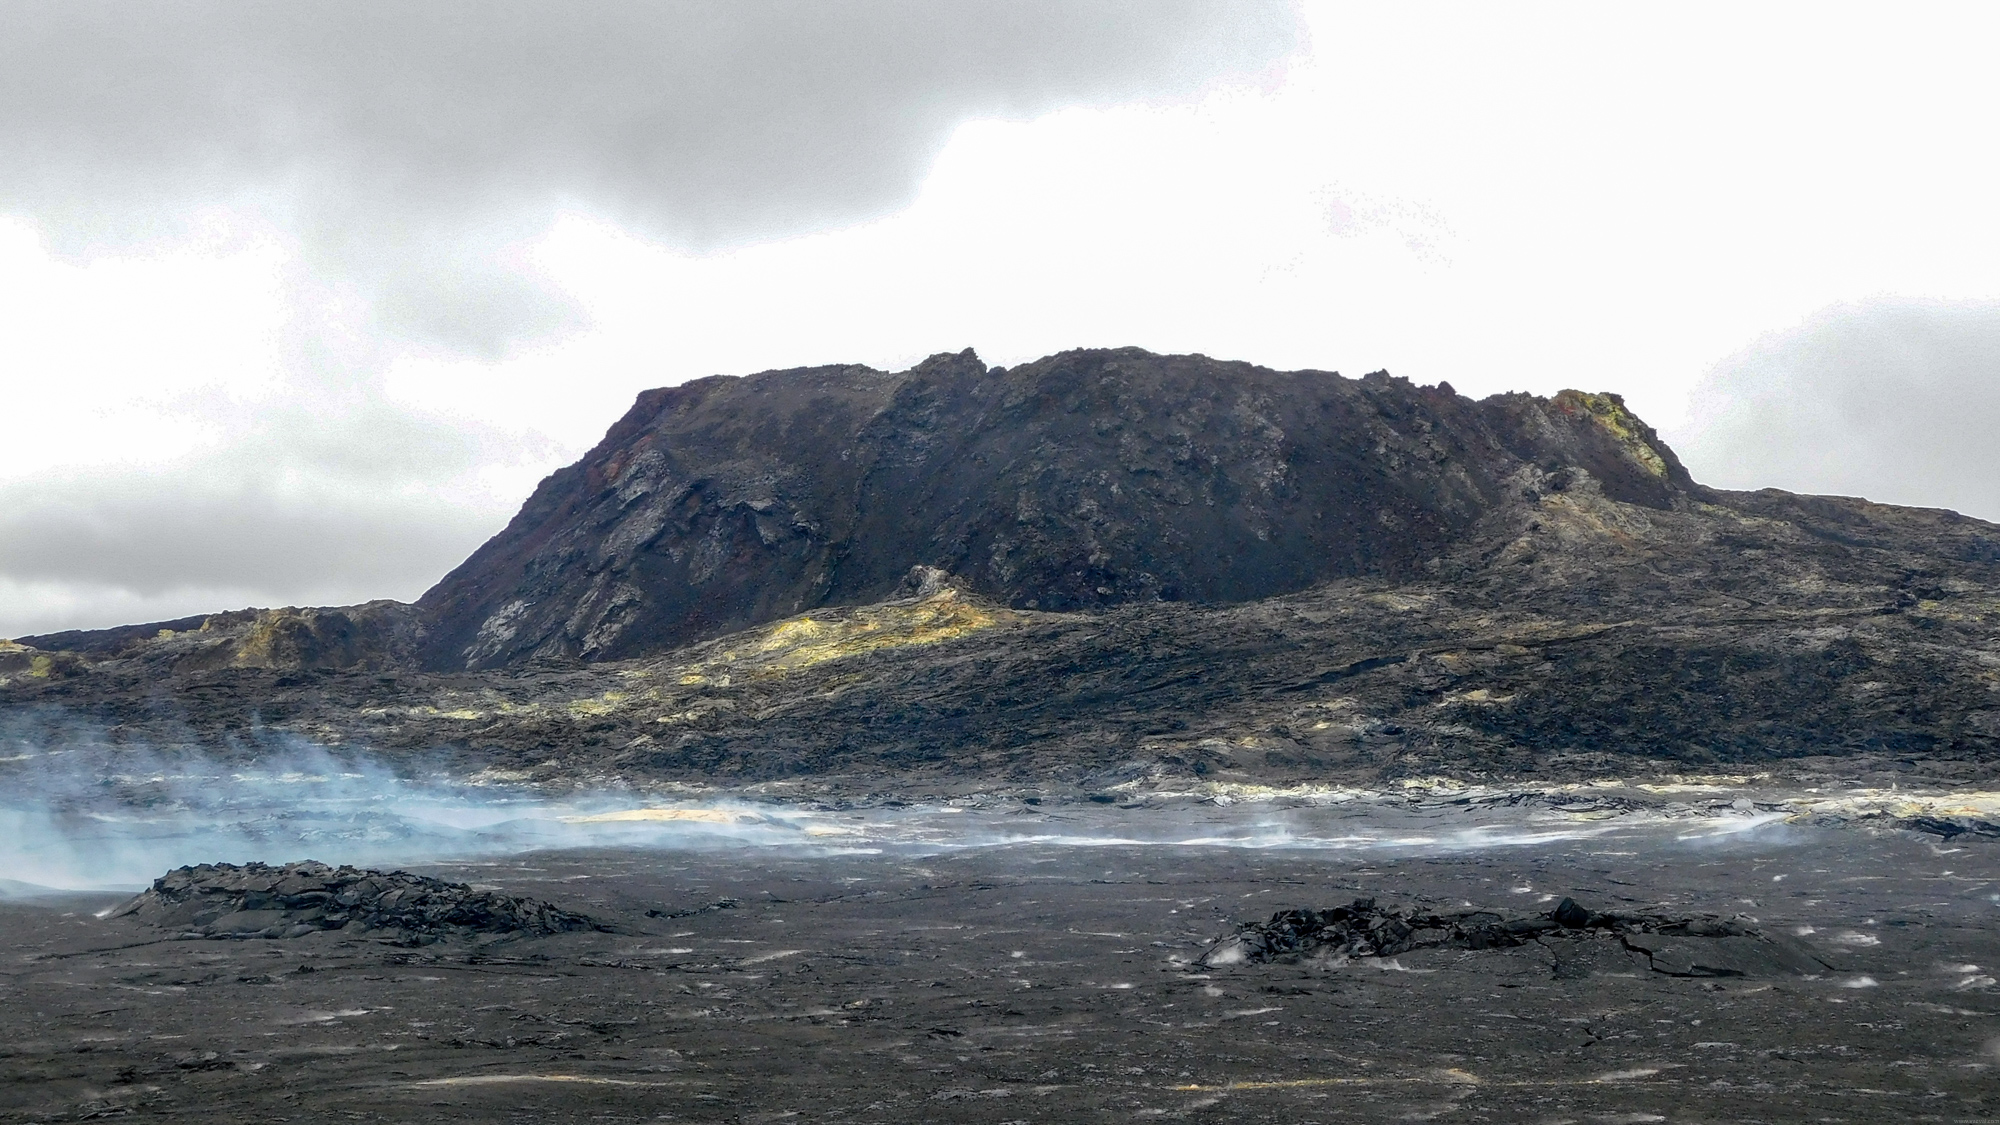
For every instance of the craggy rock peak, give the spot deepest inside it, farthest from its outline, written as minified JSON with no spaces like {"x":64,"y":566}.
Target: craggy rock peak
{"x":1079,"y":481}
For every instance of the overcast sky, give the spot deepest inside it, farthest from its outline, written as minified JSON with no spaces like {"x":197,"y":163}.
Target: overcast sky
{"x":297,"y":301}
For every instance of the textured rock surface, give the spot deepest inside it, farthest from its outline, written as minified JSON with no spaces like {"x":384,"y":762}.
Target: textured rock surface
{"x":1677,"y":944}
{"x":1040,"y":983}
{"x":369,"y":637}
{"x":256,"y":900}
{"x":1578,"y":637}
{"x":1084,"y":480}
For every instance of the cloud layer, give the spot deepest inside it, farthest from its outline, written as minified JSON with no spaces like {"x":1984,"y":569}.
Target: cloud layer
{"x":410,"y":147}
{"x":1894,"y":400}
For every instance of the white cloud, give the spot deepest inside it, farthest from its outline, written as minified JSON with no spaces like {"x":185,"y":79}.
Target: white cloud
{"x":1896,"y":400}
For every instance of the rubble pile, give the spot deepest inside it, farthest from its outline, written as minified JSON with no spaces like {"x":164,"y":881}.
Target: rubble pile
{"x":256,"y":900}
{"x":1364,"y":929}
{"x":1678,"y":945}
{"x":1951,"y":826}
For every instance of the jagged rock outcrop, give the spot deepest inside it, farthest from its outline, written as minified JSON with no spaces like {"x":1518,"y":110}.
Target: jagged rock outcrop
{"x":26,"y":662}
{"x":1079,"y":481}
{"x":370,"y":637}
{"x":257,"y":900}
{"x":1673,"y":943}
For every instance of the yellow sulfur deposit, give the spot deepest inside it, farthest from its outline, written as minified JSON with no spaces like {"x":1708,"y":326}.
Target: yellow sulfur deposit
{"x":1610,"y":412}
{"x":801,"y":642}
{"x":703,"y":816}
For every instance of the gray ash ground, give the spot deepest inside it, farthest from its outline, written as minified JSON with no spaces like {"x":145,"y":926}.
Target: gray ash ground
{"x":1047,"y":983}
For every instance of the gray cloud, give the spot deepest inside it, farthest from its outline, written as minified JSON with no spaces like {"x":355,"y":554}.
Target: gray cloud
{"x":149,"y":537}
{"x":331,"y":504}
{"x":407,"y":145}
{"x":1897,"y":401}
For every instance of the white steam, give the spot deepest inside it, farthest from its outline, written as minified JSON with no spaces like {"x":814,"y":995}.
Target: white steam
{"x":83,"y":814}
{"x":78,"y":812}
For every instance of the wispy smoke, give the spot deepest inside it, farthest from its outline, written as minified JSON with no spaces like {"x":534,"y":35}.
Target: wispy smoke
{"x":80,"y":812}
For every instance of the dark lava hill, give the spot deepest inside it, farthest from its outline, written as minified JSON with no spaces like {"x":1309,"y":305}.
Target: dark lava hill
{"x":1087,"y":479}
{"x":1110,"y":565}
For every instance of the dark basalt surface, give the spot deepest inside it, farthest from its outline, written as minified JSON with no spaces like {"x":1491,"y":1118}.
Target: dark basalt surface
{"x":1043,"y":984}
{"x":256,"y":900}
{"x":1677,"y":944}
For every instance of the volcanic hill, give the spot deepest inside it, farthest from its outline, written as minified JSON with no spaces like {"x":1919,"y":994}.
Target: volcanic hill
{"x":1108,"y":564}
{"x":1076,"y":482}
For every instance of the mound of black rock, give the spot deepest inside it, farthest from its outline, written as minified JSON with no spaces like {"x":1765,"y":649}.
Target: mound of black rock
{"x":256,"y":900}
{"x":1951,"y":827}
{"x":1675,"y":944}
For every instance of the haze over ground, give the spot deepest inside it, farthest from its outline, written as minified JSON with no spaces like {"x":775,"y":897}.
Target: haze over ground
{"x":296,"y":304}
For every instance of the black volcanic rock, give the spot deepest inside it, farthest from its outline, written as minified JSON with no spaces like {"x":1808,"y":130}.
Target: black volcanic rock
{"x":1676,"y":944}
{"x":256,"y":900}
{"x":1080,"y":481}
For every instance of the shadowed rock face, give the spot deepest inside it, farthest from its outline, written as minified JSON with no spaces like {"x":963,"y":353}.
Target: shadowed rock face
{"x":1080,"y":481}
